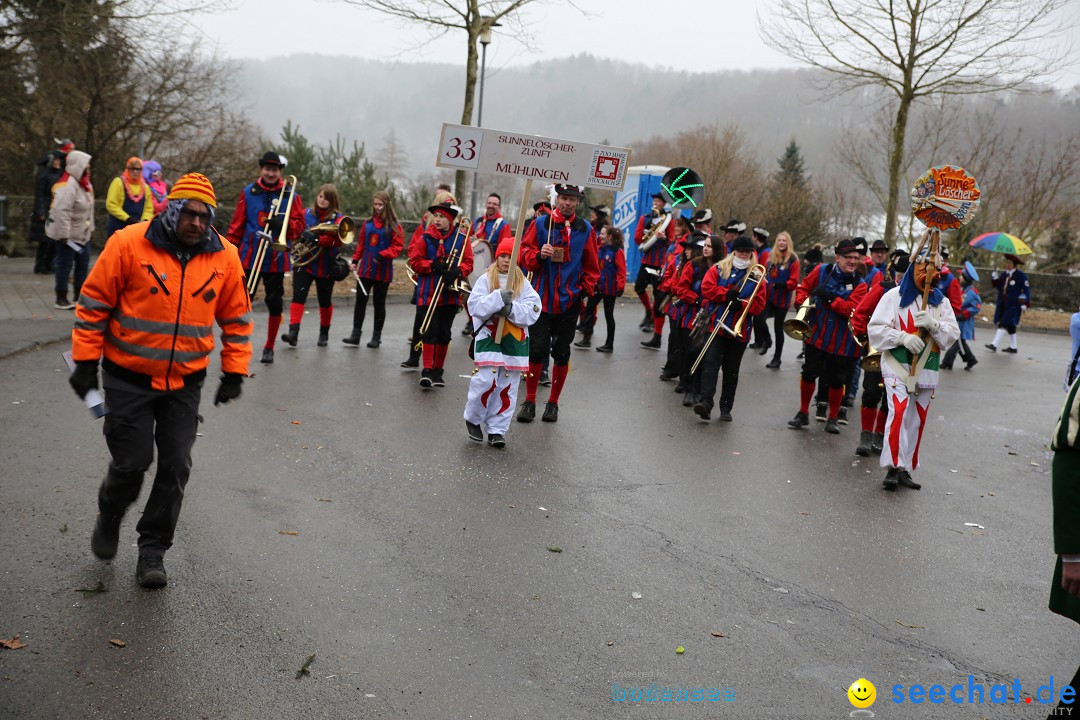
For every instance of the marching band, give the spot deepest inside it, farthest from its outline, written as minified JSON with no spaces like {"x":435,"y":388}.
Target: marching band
{"x":870,"y":314}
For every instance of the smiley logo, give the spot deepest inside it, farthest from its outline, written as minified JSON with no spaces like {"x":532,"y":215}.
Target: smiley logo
{"x":862,"y":693}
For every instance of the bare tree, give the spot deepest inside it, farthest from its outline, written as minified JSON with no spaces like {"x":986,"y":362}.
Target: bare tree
{"x":920,"y":48}
{"x":472,"y":16}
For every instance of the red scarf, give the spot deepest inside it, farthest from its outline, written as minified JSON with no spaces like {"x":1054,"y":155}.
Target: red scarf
{"x":84,"y":181}
{"x":558,"y":219}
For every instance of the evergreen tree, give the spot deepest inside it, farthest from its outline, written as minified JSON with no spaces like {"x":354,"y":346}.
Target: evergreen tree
{"x":792,"y":171}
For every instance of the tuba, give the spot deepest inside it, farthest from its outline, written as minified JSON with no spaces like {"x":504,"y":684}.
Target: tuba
{"x":650,"y":236}
{"x":797,"y":328}
{"x":307,"y":250}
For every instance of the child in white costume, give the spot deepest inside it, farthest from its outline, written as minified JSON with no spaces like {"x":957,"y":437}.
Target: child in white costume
{"x":893,"y":329}
{"x":500,"y":292}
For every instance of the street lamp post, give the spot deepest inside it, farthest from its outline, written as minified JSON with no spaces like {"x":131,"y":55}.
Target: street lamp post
{"x":485,"y":40}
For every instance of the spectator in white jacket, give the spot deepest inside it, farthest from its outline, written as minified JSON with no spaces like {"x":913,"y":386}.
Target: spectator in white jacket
{"x":70,"y":225}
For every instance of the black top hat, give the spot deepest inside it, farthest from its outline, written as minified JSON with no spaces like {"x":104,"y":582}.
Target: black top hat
{"x":742,"y":243}
{"x":658,"y":196}
{"x":695,"y":239}
{"x":860,"y":244}
{"x":571,"y":190}
{"x":813,"y":255}
{"x":454,"y":210}
{"x":846,"y":247}
{"x":879,"y":245}
{"x":735,"y":226}
{"x":899,"y":263}
{"x":272,"y":158}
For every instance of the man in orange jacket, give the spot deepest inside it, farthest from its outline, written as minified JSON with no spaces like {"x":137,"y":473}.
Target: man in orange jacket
{"x":146,"y":313}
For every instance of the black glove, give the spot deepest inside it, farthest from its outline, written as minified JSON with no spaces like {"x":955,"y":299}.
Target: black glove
{"x":618,"y":293}
{"x":85,"y":377}
{"x":824,"y":293}
{"x":274,"y":225}
{"x":438,"y":267}
{"x":229,"y":389}
{"x":131,"y":220}
{"x":450,"y":275}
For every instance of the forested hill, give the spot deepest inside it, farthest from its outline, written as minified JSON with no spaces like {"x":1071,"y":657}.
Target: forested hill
{"x":585,"y":98}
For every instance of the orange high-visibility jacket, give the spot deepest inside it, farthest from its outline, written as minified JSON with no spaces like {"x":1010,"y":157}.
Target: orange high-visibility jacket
{"x":152,"y":316}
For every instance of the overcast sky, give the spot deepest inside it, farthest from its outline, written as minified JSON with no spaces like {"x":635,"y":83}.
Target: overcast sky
{"x":701,"y":35}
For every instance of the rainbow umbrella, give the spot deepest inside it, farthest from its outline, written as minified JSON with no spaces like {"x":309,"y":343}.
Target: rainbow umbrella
{"x":1001,"y":242}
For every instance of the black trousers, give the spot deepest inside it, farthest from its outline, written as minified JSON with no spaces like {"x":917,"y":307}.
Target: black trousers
{"x":137,"y":421}
{"x":778,"y":315}
{"x":688,"y":353}
{"x":609,"y":314}
{"x":761,"y":328}
{"x":724,"y":354}
{"x":960,"y":346}
{"x":439,"y":330}
{"x":873,"y":391}
{"x":274,"y":284}
{"x":834,"y":369}
{"x":301,"y":283}
{"x":674,"y":349}
{"x":377,"y":289}
{"x":646,"y":279}
{"x":552,"y":334}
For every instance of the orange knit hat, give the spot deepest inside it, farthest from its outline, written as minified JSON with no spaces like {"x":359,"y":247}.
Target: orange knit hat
{"x":194,"y":186}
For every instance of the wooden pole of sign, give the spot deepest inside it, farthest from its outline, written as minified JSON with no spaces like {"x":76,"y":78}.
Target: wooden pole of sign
{"x":525,"y":197}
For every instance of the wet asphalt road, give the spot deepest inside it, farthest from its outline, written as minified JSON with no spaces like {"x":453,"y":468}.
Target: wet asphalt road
{"x":419,"y":574}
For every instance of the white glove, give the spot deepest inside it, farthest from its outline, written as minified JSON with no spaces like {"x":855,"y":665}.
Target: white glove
{"x":994,"y":275}
{"x":924,"y":319}
{"x":913,"y":343}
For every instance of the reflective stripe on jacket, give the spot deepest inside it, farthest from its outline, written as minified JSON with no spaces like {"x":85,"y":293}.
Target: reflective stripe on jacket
{"x":152,"y":315}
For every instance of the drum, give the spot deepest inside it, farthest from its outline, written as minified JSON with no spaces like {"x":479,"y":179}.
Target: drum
{"x":481,"y":260}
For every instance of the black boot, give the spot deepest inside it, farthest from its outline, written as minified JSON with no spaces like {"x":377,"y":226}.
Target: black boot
{"x":106,"y":536}
{"x":527,"y":413}
{"x":702,"y":410}
{"x":150,"y":572}
{"x":765,"y":345}
{"x":863,"y":448}
{"x":877,"y":442}
{"x":653,"y":344}
{"x":605,"y":348}
{"x":324,"y":336}
{"x":585,"y":341}
{"x":889,"y":483}
{"x":294,"y":332}
{"x":551,"y":412}
{"x":353,"y":339}
{"x":800,"y":420}
{"x":376,"y":339}
{"x":774,"y":364}
{"x":832,"y":427}
{"x":267,"y":356}
{"x":688,"y":399}
{"x":822,"y":413}
{"x":413,"y":360}
{"x":425,"y":379}
{"x":904,"y":478}
{"x":476,"y":434}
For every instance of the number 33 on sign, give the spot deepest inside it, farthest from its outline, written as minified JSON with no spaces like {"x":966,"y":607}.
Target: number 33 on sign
{"x":461,"y":148}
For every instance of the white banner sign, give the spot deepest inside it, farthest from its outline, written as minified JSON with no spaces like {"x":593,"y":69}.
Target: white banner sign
{"x":533,"y":157}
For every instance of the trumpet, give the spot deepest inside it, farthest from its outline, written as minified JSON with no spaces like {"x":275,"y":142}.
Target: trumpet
{"x":755,"y":275}
{"x":797,"y":328}
{"x":279,"y":244}
{"x":307,"y":249}
{"x":452,"y":261}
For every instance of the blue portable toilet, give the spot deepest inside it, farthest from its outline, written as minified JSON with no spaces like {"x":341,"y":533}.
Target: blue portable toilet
{"x":642,"y":182}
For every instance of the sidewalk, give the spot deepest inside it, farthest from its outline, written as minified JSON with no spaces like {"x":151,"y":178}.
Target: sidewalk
{"x":28,"y":319}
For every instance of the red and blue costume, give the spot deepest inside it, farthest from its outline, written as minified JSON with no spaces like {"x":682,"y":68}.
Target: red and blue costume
{"x":428,"y":256}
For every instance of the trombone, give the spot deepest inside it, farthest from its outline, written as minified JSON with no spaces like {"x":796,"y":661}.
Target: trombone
{"x":755,"y":275}
{"x":452,"y":261}
{"x":278,"y":245}
{"x":871,"y":361}
{"x":307,"y":250}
